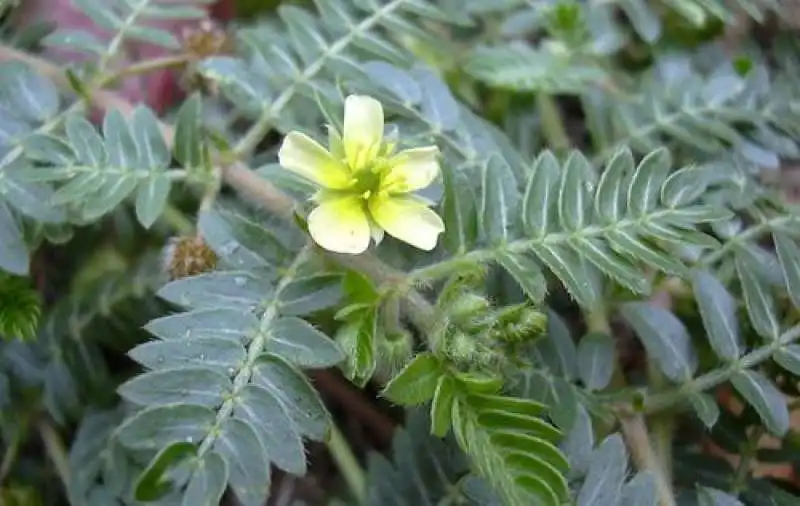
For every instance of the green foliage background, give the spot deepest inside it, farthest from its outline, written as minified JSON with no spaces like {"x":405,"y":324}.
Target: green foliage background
{"x":620,"y":243}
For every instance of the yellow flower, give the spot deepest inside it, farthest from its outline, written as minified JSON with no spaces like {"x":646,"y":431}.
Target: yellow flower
{"x":365,"y":187}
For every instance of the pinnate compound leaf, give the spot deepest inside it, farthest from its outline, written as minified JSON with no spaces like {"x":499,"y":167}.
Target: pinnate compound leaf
{"x":718,"y":310}
{"x":766,"y":399}
{"x":417,"y":382}
{"x":665,"y":338}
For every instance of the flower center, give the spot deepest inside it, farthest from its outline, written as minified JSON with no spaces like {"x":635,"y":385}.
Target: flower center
{"x":367,"y":181}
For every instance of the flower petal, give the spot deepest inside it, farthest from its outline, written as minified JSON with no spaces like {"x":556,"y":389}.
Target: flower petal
{"x":363,"y":129}
{"x":340,"y":225}
{"x":407,"y":220}
{"x":412,"y":169}
{"x":302,"y":155}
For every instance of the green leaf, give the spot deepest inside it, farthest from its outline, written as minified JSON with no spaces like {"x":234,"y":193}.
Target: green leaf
{"x":208,"y":481}
{"x":597,"y":354}
{"x":79,"y":40}
{"x":766,"y":399}
{"x":570,"y":270}
{"x":192,"y":385}
{"x":248,"y":466}
{"x":151,"y":485}
{"x":713,"y":497}
{"x":306,"y":295}
{"x":718,"y":310}
{"x":646,"y":182}
{"x":301,"y":344}
{"x":684,"y":186}
{"x":641,"y":490}
{"x":498,"y":200}
{"x":188,"y":149}
{"x":664,"y":337}
{"x":219,"y":354}
{"x":151,"y":198}
{"x":788,"y":357}
{"x":578,"y":443}
{"x":628,"y":244}
{"x":644,"y":20}
{"x":706,"y":408}
{"x":240,"y":242}
{"x":442,"y":406}
{"x":108,"y":195}
{"x":789,"y":258}
{"x":30,"y":94}
{"x":416,"y":383}
{"x":573,"y":195}
{"x":458,"y":212}
{"x":119,"y":142}
{"x":610,"y":263}
{"x":606,"y":474}
{"x":31,"y":199}
{"x":611,"y":194}
{"x":758,"y":299}
{"x":540,"y":194}
{"x":438,"y":106}
{"x":276,"y":428}
{"x":526,"y":272}
{"x":299,"y":399}
{"x":218,"y":290}
{"x":86,"y":142}
{"x":229,"y":324}
{"x":13,"y":250}
{"x":151,"y":147}
{"x":358,"y":340}
{"x":557,"y":349}
{"x":158,"y":426}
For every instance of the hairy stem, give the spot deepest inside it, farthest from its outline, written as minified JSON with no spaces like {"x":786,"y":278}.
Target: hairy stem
{"x":635,"y":433}
{"x":144,"y":67}
{"x":348,"y":464}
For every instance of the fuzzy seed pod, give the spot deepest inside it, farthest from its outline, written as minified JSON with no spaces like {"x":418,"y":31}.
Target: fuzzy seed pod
{"x":188,"y":256}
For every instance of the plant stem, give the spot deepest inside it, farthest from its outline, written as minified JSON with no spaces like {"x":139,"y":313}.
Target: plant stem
{"x":144,"y":67}
{"x":746,"y":455}
{"x":176,"y":220}
{"x":552,"y":123}
{"x":348,"y":465}
{"x":10,"y":455}
{"x":56,"y":451}
{"x":635,"y":433}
